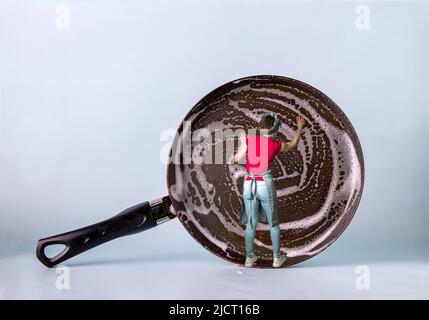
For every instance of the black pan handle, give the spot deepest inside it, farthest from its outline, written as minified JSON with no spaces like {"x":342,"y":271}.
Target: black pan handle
{"x":135,"y":219}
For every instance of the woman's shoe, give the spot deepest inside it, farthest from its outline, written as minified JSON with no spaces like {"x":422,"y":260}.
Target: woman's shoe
{"x":278,"y":261}
{"x":250,"y":261}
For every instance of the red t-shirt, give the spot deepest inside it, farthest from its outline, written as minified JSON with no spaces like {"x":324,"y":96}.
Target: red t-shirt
{"x":260,"y":154}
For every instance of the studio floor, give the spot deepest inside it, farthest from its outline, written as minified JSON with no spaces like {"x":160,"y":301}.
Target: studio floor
{"x":193,"y":277}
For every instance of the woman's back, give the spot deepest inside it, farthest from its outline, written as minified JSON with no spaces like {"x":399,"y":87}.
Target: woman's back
{"x":261,"y":151}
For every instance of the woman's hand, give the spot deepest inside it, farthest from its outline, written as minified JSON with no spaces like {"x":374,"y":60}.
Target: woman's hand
{"x":300,"y":121}
{"x":286,"y":146}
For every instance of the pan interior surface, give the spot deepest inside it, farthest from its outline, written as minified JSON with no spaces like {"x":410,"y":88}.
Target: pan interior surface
{"x":319,"y":183}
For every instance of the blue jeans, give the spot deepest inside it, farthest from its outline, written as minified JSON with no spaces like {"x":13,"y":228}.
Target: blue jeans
{"x":251,"y":202}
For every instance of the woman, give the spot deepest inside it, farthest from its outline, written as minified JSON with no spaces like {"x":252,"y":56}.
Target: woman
{"x":259,"y":192}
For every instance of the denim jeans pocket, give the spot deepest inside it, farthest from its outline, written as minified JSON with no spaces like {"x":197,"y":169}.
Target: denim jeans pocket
{"x":247,"y":190}
{"x":262,"y":192}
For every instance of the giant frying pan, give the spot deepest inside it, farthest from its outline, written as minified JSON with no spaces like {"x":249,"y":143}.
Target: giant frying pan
{"x":319,"y":183}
